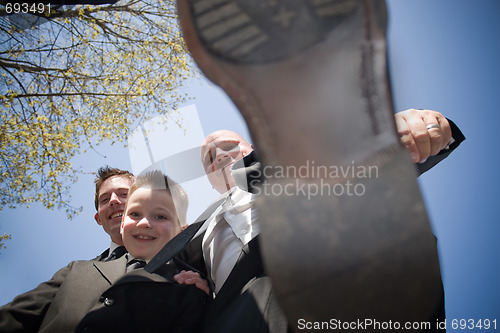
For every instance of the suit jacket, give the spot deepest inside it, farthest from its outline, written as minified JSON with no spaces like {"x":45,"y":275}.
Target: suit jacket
{"x":93,"y":296}
{"x":245,"y":303}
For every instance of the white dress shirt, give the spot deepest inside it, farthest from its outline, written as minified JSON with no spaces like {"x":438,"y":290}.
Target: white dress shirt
{"x":231,"y":226}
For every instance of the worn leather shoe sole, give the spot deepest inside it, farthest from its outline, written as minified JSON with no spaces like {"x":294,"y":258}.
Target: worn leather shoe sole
{"x":345,"y":232}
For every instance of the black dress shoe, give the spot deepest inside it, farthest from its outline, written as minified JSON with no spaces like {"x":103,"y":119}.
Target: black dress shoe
{"x":345,"y":234}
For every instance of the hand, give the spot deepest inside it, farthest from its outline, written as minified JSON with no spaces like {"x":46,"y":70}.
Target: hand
{"x":190,"y":277}
{"x":421,"y":142}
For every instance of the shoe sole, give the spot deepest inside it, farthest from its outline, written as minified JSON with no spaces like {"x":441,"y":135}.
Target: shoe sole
{"x":310,"y":79}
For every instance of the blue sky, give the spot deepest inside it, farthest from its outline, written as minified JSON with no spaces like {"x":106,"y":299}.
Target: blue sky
{"x":444,"y":56}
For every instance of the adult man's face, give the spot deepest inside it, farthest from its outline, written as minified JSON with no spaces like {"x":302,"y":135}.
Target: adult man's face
{"x":219,"y":151}
{"x":111,"y":202}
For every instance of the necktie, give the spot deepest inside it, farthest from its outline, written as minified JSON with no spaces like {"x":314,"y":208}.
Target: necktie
{"x":135,"y":264}
{"x":117,"y":253}
{"x":222,"y":248}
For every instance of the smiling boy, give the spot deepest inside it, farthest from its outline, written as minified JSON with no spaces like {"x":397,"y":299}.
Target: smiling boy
{"x":150,"y":218}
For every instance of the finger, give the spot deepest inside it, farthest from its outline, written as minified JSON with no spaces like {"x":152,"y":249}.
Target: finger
{"x":441,"y":120}
{"x":193,"y":280}
{"x":179,"y":279}
{"x":199,"y":283}
{"x":421,"y":136}
{"x":436,"y":135}
{"x":189,"y":274}
{"x":445,"y":126}
{"x":203,"y":287}
{"x":406,"y":137}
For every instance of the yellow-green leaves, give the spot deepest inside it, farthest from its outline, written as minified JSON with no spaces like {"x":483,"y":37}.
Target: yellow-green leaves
{"x":3,"y":237}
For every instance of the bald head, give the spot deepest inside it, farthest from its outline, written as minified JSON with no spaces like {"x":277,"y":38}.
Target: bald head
{"x":219,"y":151}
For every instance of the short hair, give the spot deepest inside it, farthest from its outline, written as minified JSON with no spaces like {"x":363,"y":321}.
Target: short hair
{"x":156,"y":180}
{"x":103,"y":174}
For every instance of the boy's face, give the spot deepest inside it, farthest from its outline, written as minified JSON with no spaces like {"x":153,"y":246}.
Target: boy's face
{"x":150,"y":221}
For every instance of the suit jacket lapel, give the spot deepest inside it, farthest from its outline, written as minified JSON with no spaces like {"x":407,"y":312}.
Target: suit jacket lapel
{"x":112,"y":270}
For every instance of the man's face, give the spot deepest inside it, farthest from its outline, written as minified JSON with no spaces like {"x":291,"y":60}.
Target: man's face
{"x":149,"y":222}
{"x":219,"y":151}
{"x":111,"y":202}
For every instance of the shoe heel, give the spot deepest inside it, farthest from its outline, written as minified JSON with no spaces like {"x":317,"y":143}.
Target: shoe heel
{"x":357,"y":248}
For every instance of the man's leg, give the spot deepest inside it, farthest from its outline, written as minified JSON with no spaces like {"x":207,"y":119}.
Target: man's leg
{"x":345,"y":233}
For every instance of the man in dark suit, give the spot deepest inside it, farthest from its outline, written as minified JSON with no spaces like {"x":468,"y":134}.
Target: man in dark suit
{"x":119,"y":295}
{"x":243,"y":299}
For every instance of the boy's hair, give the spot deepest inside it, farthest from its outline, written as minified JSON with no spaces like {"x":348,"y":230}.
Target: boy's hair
{"x":107,"y":172}
{"x":156,"y":180}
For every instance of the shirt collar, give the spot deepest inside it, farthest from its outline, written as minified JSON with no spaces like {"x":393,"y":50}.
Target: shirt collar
{"x":112,"y":247}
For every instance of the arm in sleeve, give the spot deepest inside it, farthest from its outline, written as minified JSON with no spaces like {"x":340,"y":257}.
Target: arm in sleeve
{"x":26,"y":312}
